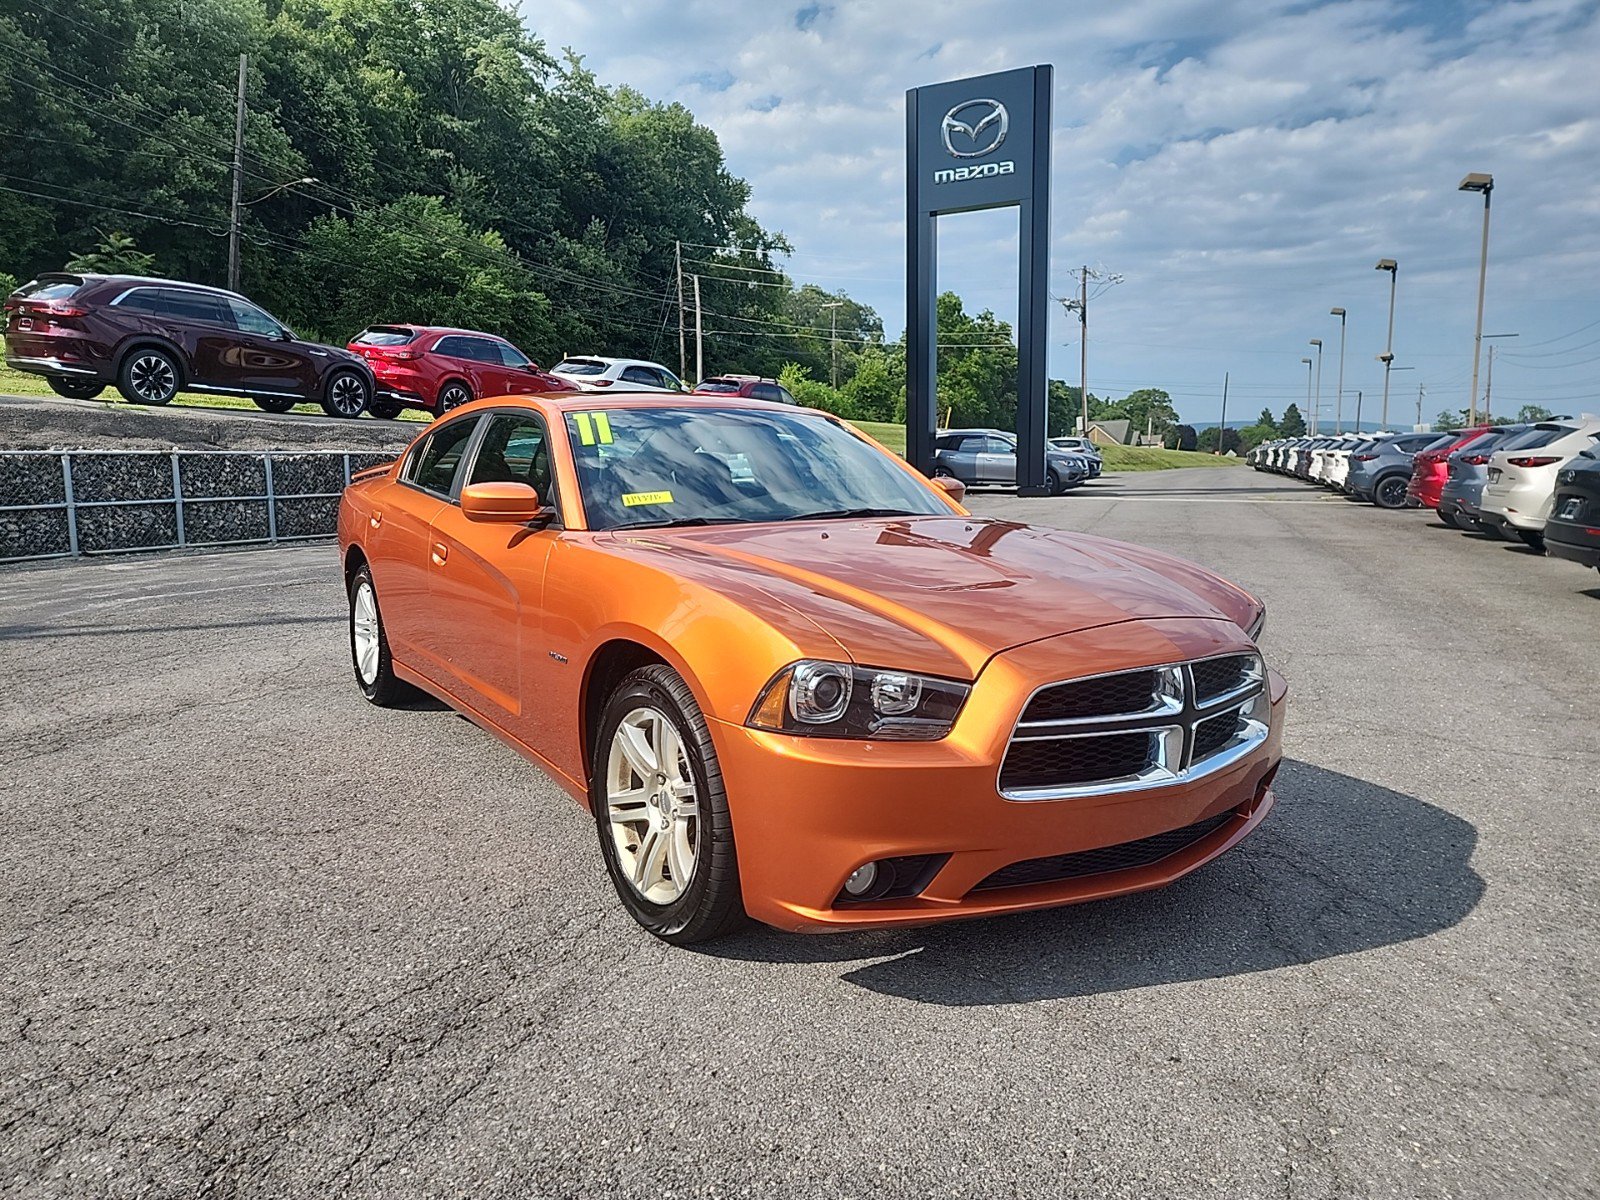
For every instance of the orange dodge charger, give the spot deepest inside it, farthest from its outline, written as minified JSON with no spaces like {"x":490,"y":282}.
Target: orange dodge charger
{"x":791,"y":678}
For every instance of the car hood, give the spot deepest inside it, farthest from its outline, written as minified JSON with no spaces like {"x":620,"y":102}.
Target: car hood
{"x":944,"y":594}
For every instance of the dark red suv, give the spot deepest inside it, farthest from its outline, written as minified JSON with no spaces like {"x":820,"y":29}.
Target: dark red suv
{"x":153,"y":338}
{"x":436,"y":368}
{"x":752,"y":386}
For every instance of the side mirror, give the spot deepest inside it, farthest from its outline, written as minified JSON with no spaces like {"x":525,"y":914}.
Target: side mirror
{"x":502,"y":503}
{"x":950,"y":486}
{"x":285,"y":335}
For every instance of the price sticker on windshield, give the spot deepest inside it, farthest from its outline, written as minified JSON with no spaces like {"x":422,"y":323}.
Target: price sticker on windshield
{"x":593,"y":427}
{"x":635,"y":499}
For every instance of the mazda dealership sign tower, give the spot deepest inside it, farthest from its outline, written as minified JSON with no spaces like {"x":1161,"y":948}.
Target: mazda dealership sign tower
{"x":979,"y":143}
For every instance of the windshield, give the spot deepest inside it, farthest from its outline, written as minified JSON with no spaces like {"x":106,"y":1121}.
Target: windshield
{"x":579,"y":366}
{"x":675,"y":466}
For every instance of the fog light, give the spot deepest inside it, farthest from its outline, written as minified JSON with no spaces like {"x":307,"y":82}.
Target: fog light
{"x":861,"y":880}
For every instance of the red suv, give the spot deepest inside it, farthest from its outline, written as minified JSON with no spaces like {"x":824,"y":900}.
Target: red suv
{"x":1430,"y":469}
{"x":752,"y":386}
{"x":438,"y":369}
{"x":153,"y":338}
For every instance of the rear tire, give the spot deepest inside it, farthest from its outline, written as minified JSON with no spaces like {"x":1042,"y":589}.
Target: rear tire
{"x":452,"y":395}
{"x":385,"y":410}
{"x":1532,"y":538}
{"x":369,"y":645}
{"x":665,"y":833}
{"x":1390,"y":492}
{"x":347,"y":395}
{"x":1448,"y":518}
{"x":148,"y":376}
{"x":75,"y":389}
{"x":274,"y":404}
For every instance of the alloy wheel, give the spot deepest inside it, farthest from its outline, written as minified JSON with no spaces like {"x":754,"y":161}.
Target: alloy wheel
{"x":1392,"y":492}
{"x":364,"y":641}
{"x":652,"y":805}
{"x":153,"y":378}
{"x":348,"y":396}
{"x":453,"y":396}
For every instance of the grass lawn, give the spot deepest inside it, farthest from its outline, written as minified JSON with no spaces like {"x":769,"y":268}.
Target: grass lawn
{"x":1117,"y":458}
{"x":21,"y":383}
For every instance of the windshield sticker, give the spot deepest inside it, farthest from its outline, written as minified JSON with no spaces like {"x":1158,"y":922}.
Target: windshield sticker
{"x":634,"y":499}
{"x":591,"y":425}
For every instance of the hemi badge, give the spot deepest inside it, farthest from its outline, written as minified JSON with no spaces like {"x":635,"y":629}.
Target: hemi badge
{"x":560,"y":658}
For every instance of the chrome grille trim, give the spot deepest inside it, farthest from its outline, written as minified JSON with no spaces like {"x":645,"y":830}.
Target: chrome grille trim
{"x":1172,"y":721}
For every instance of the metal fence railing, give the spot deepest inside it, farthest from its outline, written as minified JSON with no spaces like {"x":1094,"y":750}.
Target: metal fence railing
{"x":56,"y":504}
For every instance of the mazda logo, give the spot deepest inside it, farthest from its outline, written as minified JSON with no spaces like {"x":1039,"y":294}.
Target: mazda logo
{"x":982,"y":125}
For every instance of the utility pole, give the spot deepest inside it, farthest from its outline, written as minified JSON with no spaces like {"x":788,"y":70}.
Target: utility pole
{"x":1224,"y":427}
{"x":833,"y":342}
{"x":1488,"y":389}
{"x":1419,"y":403}
{"x":699,"y":336}
{"x":238,"y":179}
{"x":677,"y":257}
{"x":1338,"y":402}
{"x":1358,"y":412}
{"x":1387,"y":357}
{"x":1083,"y":345}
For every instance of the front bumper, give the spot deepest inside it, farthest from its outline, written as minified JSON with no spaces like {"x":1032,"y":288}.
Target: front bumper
{"x":809,"y":811}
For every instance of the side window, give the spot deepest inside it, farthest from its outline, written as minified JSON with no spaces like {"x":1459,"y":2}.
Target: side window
{"x":765,"y":391}
{"x":510,"y":356}
{"x":434,"y":464}
{"x":996,"y":445}
{"x":670,"y":381}
{"x":973,"y":445}
{"x":193,"y":306}
{"x":514,"y":450}
{"x":143,"y":300}
{"x":251,"y":319}
{"x":452,"y":347}
{"x":483,"y":350}
{"x":946,"y":443}
{"x":784,"y":397}
{"x":641,"y":375}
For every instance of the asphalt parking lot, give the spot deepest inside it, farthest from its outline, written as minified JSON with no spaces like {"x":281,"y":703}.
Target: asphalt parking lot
{"x":263,"y":939}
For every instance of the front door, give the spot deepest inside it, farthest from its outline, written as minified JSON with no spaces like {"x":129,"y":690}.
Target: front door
{"x":487,"y":579}
{"x":266,"y":359}
{"x":997,"y":461}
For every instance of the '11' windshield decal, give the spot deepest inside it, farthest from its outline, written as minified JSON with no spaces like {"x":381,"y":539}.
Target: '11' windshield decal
{"x":592,"y":424}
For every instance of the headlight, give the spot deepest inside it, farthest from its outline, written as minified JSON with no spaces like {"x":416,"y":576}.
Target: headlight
{"x":1257,"y":625}
{"x":840,"y":700}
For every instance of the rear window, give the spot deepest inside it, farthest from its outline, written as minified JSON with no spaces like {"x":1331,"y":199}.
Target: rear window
{"x":50,"y":289}
{"x":1539,"y":435}
{"x":721,"y":387}
{"x":579,"y":366}
{"x":384,"y":335}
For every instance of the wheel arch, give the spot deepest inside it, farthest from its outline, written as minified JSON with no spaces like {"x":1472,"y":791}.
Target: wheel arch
{"x":354,"y":559}
{"x":150,"y":341}
{"x":453,"y":377}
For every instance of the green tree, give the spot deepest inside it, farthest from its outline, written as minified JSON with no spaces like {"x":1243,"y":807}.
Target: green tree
{"x":1216,"y":438}
{"x":1530,"y":413}
{"x":1448,"y":421}
{"x":876,"y":385}
{"x":1292,"y":424}
{"x":1265,"y":420}
{"x":1252,"y":436}
{"x":114,"y":254}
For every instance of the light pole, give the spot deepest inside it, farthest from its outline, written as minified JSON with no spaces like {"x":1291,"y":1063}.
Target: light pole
{"x":1387,"y":357}
{"x":833,"y":342}
{"x":235,"y":265}
{"x":1316,"y":407}
{"x":1479,"y":182}
{"x":1338,"y":400}
{"x":1307,"y":362}
{"x":1488,"y":388}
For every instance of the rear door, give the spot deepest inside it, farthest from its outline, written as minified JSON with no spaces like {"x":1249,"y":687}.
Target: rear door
{"x":644,"y":378}
{"x":202,"y":324}
{"x":460,"y":359}
{"x":997,"y":461}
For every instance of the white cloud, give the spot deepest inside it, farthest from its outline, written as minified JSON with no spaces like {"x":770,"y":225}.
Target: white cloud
{"x":1242,"y":164}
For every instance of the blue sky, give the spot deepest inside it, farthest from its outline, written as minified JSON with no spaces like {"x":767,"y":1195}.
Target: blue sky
{"x":1241,"y":163}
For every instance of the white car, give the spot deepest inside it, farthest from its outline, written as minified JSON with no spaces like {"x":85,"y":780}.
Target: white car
{"x":592,"y":373}
{"x":1522,"y":479}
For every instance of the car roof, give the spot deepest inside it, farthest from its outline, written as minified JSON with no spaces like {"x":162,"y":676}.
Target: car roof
{"x":139,"y":281}
{"x":612,"y":362}
{"x":610,"y":398}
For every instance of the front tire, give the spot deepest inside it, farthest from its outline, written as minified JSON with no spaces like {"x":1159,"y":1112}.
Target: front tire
{"x":347,"y":395}
{"x":75,"y":389}
{"x":274,"y":404}
{"x":661,"y":810}
{"x":1390,"y":492}
{"x":385,"y":410}
{"x":369,"y":645}
{"x":1053,"y":482}
{"x":148,"y":376}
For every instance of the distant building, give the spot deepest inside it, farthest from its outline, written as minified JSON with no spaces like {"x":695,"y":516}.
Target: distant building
{"x":1109,"y":433}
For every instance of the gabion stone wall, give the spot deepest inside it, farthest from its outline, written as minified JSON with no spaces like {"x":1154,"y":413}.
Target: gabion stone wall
{"x":88,"y":502}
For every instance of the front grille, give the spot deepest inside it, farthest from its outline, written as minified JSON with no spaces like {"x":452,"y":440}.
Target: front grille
{"x":1122,"y":857}
{"x":1105,"y":696}
{"x":1216,"y":677}
{"x":1134,"y":729}
{"x":1047,"y":761}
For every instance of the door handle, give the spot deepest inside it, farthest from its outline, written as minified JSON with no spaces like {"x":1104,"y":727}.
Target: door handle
{"x":375,"y":519}
{"x":440,"y":553}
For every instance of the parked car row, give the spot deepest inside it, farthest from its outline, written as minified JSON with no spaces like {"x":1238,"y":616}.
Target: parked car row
{"x":1538,"y":482}
{"x":979,"y":457}
{"x":152,"y":338}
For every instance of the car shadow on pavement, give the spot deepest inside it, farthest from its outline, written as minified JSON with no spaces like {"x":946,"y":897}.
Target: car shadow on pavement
{"x":1339,"y":866}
